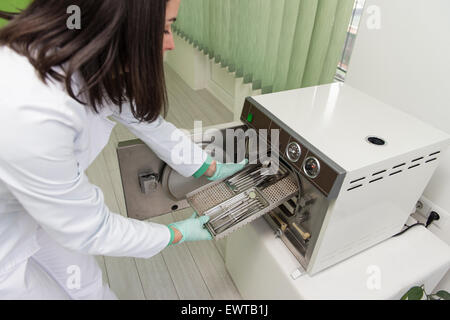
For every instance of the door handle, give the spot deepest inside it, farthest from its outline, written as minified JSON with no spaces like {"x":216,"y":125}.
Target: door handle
{"x":148,"y":181}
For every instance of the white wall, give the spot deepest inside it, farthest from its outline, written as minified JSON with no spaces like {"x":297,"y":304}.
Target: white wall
{"x":187,"y":62}
{"x":406,"y":63}
{"x":402,"y":57}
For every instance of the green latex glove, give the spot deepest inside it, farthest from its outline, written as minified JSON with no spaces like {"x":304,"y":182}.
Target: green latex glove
{"x":193,"y":229}
{"x":225,"y":170}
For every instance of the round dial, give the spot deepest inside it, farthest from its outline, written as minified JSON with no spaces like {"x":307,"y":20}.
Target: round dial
{"x":294,"y":151}
{"x":312,"y":167}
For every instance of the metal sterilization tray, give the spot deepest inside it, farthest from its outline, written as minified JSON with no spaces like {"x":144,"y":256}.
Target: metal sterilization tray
{"x":242,"y":198}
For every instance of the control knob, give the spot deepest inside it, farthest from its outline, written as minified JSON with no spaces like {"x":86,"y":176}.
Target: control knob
{"x":311,"y":167}
{"x":293,"y":151}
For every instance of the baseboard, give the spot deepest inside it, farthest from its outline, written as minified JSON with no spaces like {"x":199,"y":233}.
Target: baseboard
{"x":200,"y":72}
{"x":220,"y":94}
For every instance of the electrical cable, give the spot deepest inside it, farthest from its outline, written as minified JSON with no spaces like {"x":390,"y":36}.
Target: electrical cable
{"x":408,"y":228}
{"x":431,"y":218}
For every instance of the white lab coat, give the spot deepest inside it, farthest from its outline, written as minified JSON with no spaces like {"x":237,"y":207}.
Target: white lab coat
{"x":47,"y":141}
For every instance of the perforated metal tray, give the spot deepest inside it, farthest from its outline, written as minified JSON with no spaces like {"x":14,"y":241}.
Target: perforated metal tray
{"x":216,"y":198}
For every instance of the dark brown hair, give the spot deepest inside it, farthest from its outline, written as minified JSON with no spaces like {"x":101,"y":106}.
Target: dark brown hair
{"x":118,"y":51}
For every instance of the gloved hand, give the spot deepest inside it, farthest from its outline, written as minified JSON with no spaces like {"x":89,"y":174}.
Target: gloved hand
{"x":225,"y":170}
{"x":192,"y":229}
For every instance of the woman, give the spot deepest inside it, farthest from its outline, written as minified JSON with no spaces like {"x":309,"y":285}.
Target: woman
{"x":57,"y":90}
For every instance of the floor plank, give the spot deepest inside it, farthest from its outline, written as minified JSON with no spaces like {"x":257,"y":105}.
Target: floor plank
{"x":187,"y":105}
{"x":102,"y":265}
{"x":123,"y":276}
{"x":122,"y":133}
{"x":183,"y":270}
{"x":210,"y":264}
{"x":156,"y":280}
{"x":213,"y":270}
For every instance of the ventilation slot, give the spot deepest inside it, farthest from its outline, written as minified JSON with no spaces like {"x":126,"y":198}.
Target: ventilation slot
{"x":358,"y":186}
{"x":400,"y":165}
{"x":376,"y":174}
{"x":380,"y":175}
{"x":433,"y":154}
{"x":394,"y":173}
{"x":381,"y":178}
{"x":357,"y":180}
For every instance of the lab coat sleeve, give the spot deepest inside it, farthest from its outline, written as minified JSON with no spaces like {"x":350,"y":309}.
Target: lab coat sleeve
{"x":38,"y":165}
{"x":170,"y":144}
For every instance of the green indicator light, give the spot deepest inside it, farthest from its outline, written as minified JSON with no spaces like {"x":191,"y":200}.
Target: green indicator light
{"x":250,"y":117}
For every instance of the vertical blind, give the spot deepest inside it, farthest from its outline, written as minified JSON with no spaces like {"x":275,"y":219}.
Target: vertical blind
{"x":12,"y":6}
{"x":274,"y":44}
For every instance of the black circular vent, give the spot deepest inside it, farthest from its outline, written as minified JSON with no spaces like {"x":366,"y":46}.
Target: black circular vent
{"x":376,"y":141}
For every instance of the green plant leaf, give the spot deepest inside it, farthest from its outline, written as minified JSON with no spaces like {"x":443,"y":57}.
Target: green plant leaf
{"x":443,"y":295}
{"x":415,"y":293}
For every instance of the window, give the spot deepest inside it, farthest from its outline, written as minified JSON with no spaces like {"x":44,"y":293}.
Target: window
{"x":350,"y":42}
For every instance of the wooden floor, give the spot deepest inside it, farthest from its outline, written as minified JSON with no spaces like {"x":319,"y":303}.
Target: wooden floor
{"x":190,"y":270}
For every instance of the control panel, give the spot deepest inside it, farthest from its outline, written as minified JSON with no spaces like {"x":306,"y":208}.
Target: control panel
{"x":305,"y":161}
